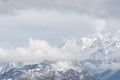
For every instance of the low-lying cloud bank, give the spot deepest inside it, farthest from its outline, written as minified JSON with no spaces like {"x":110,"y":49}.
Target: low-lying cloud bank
{"x":104,"y":47}
{"x":37,"y":50}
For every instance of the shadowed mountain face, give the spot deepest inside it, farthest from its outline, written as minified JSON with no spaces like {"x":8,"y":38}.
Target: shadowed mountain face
{"x":41,"y":72}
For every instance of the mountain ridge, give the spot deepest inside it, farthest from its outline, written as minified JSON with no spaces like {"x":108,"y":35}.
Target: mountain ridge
{"x":97,"y":55}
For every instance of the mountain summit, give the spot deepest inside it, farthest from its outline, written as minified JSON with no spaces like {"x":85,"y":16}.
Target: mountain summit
{"x":94,"y":57}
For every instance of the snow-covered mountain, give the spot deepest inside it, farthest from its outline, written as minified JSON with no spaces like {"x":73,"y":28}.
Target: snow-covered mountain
{"x":45,"y":71}
{"x":98,"y":54}
{"x":95,"y":57}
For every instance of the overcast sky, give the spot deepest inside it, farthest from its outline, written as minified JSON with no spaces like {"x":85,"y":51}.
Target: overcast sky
{"x":55,"y":20}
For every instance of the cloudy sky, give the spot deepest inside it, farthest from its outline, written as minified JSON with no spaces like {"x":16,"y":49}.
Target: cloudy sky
{"x":39,"y":25}
{"x":55,"y":20}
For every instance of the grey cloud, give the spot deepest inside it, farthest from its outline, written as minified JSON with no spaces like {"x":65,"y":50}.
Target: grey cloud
{"x":97,"y":8}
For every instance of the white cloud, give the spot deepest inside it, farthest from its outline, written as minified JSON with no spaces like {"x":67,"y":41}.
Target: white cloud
{"x":37,"y":50}
{"x":2,"y":52}
{"x":99,"y":25}
{"x":63,"y":65}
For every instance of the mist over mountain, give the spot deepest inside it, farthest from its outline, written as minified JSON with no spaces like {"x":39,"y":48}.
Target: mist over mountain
{"x":95,"y":57}
{"x":59,"y":40}
{"x":100,"y":46}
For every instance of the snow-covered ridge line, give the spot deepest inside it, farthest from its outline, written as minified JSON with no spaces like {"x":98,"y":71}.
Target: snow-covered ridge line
{"x":96,"y":54}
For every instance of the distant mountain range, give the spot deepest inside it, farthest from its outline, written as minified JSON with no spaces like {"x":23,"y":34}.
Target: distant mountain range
{"x":44,"y":71}
{"x":98,"y":59}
